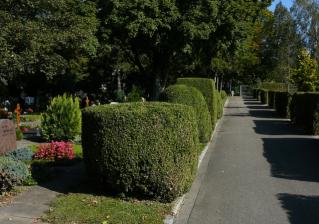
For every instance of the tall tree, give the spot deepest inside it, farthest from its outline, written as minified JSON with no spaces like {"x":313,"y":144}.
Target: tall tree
{"x":46,"y":41}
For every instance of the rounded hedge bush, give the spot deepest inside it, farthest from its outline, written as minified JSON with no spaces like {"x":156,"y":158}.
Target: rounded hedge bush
{"x":207,"y":88}
{"x":144,"y":149}
{"x":192,"y":97}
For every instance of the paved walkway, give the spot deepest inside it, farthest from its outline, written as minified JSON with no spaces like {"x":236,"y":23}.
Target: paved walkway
{"x":259,"y":170}
{"x":28,"y":207}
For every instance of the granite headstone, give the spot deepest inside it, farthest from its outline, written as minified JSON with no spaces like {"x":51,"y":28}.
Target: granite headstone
{"x":7,"y":136}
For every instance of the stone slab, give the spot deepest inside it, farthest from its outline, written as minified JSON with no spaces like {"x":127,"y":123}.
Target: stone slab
{"x":7,"y":136}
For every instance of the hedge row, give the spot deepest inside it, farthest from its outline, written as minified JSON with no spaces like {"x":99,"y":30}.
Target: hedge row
{"x":207,"y":88}
{"x":304,"y":111}
{"x":301,"y":108}
{"x":150,"y":149}
{"x":190,"y":96}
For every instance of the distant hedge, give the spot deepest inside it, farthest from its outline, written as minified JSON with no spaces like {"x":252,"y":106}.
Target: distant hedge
{"x":145,"y":149}
{"x":282,"y":102}
{"x":207,"y":88}
{"x":304,"y":111}
{"x":264,"y":96}
{"x":191,"y":96}
{"x":272,"y":99}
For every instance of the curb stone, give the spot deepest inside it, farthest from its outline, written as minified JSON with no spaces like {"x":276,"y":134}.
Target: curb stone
{"x":177,"y":204}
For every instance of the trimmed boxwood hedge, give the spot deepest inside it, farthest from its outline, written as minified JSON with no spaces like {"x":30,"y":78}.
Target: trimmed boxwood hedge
{"x":190,"y":96}
{"x":282,"y":101}
{"x":207,"y":88}
{"x":144,"y":149}
{"x":304,"y":111}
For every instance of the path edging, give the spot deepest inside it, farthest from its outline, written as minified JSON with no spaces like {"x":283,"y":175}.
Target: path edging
{"x":177,"y":204}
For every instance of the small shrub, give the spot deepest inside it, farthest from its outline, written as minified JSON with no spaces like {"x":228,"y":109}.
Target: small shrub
{"x":19,"y":134}
{"x":12,"y":173}
{"x":282,"y":103}
{"x":55,"y":151}
{"x":134,"y":95}
{"x":145,"y":149}
{"x":207,"y":88}
{"x":23,"y":154}
{"x":62,"y":120}
{"x":192,"y":97}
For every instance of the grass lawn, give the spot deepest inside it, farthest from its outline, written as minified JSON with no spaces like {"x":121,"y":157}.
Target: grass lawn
{"x":82,"y":208}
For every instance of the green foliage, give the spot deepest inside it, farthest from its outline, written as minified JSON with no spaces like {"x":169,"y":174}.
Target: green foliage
{"x":190,"y":96}
{"x":134,"y":95}
{"x":119,"y":96}
{"x":282,"y":103}
{"x":220,"y":105}
{"x":11,"y":173}
{"x":62,"y":119}
{"x":303,"y":110}
{"x":207,"y":88}
{"x":305,"y":76}
{"x":42,"y":40}
{"x":19,"y":134}
{"x":23,"y":154}
{"x":145,"y":149}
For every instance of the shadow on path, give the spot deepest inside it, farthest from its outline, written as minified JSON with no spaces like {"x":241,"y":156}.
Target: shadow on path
{"x":300,"y":209}
{"x":293,"y":158}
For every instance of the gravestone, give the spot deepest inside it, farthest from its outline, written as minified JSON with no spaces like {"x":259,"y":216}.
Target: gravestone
{"x":7,"y":136}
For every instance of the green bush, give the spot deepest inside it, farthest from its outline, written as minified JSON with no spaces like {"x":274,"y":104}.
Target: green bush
{"x":207,"y":88}
{"x":23,"y":154}
{"x":134,"y":95}
{"x":224,"y":95}
{"x":282,"y":103}
{"x":303,"y":111}
{"x":62,"y":120}
{"x":19,"y":134}
{"x":219,"y":105}
{"x":264,"y":96}
{"x":192,"y":97}
{"x":11,"y":173}
{"x":144,"y":149}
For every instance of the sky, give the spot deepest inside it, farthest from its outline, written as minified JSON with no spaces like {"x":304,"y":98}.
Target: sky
{"x":286,"y":3}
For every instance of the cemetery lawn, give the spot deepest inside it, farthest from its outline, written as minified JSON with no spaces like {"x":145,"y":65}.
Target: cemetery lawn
{"x":88,"y":208}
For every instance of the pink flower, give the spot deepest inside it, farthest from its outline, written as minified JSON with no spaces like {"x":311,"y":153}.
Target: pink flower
{"x":55,"y":151}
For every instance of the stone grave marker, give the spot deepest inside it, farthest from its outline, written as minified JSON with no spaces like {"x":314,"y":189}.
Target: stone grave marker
{"x":7,"y":136}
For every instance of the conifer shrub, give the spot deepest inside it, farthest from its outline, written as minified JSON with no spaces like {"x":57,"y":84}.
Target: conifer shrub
{"x":62,"y":119}
{"x":141,"y":149}
{"x":207,"y":88}
{"x":190,"y":96}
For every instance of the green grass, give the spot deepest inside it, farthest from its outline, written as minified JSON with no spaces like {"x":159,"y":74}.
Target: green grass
{"x":89,"y":209}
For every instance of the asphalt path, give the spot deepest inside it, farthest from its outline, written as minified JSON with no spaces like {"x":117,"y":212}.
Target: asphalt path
{"x":259,"y":169}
